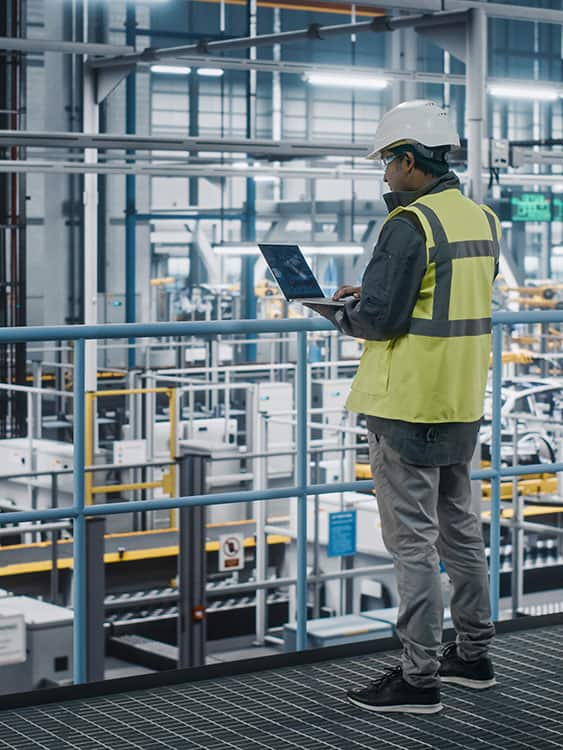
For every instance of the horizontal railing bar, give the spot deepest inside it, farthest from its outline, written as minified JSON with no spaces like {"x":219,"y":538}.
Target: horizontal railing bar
{"x":217,"y":327}
{"x":147,"y":330}
{"x":539,"y":528}
{"x":238,"y":497}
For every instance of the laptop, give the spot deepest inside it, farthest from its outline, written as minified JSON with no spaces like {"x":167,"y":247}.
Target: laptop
{"x":294,"y":276}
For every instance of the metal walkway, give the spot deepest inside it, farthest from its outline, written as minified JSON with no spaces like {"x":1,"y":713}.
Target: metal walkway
{"x":302,"y":705}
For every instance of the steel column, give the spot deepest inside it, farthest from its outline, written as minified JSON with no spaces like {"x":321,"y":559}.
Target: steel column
{"x":494,"y":531}
{"x":260,"y":467}
{"x":302,"y":466}
{"x":130,"y":186}
{"x":475,"y":98}
{"x":95,"y":586}
{"x":90,"y":124}
{"x":79,"y":521}
{"x":192,"y":627}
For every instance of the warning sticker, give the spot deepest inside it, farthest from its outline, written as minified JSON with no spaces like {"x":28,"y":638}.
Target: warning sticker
{"x":231,"y":552}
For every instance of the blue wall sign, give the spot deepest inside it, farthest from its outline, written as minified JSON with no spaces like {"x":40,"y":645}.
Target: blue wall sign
{"x":342,"y":533}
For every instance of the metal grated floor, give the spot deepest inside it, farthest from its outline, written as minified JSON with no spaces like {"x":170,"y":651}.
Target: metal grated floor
{"x":304,"y":708}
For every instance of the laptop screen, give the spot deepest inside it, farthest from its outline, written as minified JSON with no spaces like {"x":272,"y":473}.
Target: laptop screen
{"x":291,"y":271}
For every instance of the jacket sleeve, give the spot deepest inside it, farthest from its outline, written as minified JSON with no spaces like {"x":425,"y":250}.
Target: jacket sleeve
{"x":390,"y":284}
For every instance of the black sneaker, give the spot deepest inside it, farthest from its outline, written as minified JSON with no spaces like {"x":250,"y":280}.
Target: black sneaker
{"x":391,"y":693}
{"x":478,"y":675}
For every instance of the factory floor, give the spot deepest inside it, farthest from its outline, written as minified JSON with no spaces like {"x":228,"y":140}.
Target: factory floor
{"x":297,"y":701}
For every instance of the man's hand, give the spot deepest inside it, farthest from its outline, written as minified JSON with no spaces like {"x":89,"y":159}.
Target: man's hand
{"x":347,"y":291}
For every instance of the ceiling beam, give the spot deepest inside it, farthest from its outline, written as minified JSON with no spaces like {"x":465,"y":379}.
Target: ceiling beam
{"x":509,"y":12}
{"x":267,"y":147}
{"x":315,"y":32}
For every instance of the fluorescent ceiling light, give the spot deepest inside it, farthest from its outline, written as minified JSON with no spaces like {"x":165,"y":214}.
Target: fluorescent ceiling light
{"x":249,"y":249}
{"x":557,"y":249}
{"x":557,"y":188}
{"x":524,"y":91}
{"x":265,"y":178}
{"x":210,"y":72}
{"x":172,"y":70}
{"x":359,"y":81}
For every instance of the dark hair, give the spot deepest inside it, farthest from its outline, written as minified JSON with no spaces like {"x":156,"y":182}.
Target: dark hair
{"x":433,"y":162}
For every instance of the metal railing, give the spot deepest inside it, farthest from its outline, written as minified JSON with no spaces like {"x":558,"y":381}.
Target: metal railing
{"x":79,"y":511}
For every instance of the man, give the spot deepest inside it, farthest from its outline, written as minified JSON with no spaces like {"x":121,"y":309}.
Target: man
{"x":424,"y":310}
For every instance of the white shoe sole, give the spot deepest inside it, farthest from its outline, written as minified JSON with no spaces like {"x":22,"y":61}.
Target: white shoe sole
{"x":405,"y":709}
{"x":466,"y":682}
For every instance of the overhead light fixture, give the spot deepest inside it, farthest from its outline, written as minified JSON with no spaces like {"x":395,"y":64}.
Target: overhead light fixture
{"x":557,"y":249}
{"x":524,"y":91}
{"x":210,"y":72}
{"x":171,"y":70}
{"x":557,"y":188}
{"x":358,"y":81}
{"x":250,"y":249}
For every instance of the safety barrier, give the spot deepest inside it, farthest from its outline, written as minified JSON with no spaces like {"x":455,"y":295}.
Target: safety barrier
{"x":79,"y":511}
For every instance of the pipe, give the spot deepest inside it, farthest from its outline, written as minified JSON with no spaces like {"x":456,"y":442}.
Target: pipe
{"x":315,"y":32}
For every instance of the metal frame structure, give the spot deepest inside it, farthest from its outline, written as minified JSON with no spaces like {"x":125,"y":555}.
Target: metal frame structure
{"x":168,"y":480}
{"x":79,"y":512}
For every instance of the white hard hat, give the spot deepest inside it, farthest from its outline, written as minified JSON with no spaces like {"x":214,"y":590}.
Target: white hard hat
{"x":418,"y":121}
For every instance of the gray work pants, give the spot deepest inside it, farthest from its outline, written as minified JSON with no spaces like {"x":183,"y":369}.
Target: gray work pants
{"x":426,"y":515}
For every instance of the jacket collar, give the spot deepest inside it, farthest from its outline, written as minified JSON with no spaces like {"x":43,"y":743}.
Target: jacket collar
{"x":406,"y":197}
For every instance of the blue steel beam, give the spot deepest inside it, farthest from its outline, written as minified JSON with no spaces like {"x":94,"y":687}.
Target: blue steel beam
{"x":130,"y":185}
{"x":212,"y":328}
{"x":248,"y":264}
{"x":302,"y":466}
{"x":242,"y":496}
{"x":79,"y":519}
{"x":239,"y":497}
{"x":496,"y":437}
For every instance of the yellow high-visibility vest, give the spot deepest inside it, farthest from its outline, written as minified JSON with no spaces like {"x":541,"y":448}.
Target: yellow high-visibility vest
{"x":437,"y":372}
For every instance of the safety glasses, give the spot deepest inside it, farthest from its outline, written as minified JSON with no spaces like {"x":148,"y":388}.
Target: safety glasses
{"x":387,"y":160}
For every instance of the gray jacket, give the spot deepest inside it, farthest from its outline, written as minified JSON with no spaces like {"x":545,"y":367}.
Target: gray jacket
{"x":390,"y":287}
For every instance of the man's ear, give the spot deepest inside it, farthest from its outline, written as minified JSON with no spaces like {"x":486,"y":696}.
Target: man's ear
{"x":409,"y":161}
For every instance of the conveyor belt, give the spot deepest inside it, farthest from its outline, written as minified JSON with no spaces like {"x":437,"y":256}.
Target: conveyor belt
{"x":302,"y":705}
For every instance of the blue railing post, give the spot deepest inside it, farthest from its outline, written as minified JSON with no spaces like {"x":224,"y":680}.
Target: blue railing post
{"x":79,"y":521}
{"x":496,"y":437}
{"x":302,"y":462}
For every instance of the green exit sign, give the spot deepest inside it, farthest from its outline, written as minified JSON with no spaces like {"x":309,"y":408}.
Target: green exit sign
{"x":530,"y":207}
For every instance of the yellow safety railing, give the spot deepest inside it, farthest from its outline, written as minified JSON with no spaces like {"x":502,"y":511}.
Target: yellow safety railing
{"x":168,"y":481}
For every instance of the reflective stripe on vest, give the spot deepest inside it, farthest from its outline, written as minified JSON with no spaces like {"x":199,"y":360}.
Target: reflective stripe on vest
{"x":442,"y":253}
